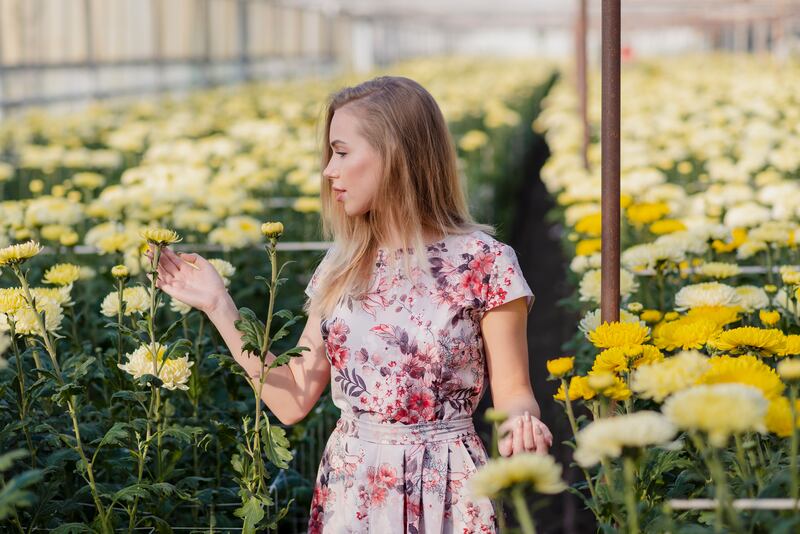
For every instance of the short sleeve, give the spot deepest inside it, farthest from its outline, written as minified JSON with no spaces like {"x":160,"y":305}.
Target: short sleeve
{"x":506,"y":282}
{"x":313,"y":283}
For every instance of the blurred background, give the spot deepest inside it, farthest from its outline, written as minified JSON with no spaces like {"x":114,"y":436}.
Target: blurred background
{"x":202,"y":115}
{"x":64,"y":52}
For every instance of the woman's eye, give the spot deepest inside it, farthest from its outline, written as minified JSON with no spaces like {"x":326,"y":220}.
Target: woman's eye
{"x":342,"y":153}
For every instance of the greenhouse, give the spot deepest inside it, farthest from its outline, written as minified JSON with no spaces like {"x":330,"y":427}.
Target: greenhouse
{"x":389,"y":267}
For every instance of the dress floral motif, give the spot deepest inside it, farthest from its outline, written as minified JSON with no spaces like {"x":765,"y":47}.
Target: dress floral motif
{"x":407,"y":371}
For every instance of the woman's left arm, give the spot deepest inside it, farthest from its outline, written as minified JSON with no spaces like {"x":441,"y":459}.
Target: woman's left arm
{"x":504,"y":331}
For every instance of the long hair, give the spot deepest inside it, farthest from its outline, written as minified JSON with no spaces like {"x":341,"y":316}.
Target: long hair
{"x":419,"y":187}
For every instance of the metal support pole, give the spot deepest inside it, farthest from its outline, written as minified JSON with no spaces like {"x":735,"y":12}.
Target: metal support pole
{"x":610,"y":140}
{"x":244,"y":41}
{"x":581,"y":75}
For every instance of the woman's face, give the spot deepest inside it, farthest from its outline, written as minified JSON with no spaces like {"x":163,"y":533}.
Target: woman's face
{"x":355,"y":166}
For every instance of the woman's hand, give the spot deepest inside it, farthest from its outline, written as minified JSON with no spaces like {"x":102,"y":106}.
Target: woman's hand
{"x":523,"y":433}
{"x":198,"y":285}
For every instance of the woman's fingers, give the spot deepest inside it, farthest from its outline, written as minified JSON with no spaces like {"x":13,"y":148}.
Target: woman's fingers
{"x":527,"y":433}
{"x":538,"y":436}
{"x":518,"y":432}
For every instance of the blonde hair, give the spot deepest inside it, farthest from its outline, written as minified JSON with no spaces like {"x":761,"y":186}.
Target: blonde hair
{"x":419,"y":189}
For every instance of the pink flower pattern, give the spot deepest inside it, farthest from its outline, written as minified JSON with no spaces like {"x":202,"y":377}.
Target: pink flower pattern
{"x":409,"y":354}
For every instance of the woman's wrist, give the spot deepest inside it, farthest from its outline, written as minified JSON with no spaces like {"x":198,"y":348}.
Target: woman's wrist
{"x":218,"y":304}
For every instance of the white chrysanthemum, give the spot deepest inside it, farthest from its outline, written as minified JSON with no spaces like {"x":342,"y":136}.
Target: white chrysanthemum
{"x":771,"y":232}
{"x":648,"y":255}
{"x":591,"y":320}
{"x":62,"y":295}
{"x":605,"y":438}
{"x":538,"y":471}
{"x":225,"y":269}
{"x":575,"y":212}
{"x":747,"y":214}
{"x":783,"y":300}
{"x":590,"y":285}
{"x":748,"y":249}
{"x":752,"y":298}
{"x":179,"y":307}
{"x":688,"y":241}
{"x":136,"y":300}
{"x":174,"y":373}
{"x":718,"y":269}
{"x":5,"y":342}
{"x":26,"y":323}
{"x":580,"y":264}
{"x":658,"y":380}
{"x":706,"y":294}
{"x":719,"y":410}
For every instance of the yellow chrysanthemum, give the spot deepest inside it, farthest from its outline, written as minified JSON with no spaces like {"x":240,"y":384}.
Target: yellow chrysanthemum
{"x":113,"y":243}
{"x":789,"y":369}
{"x":744,"y":369}
{"x":272,"y":229}
{"x":587,"y":247}
{"x":609,"y":385}
{"x":718,"y":270}
{"x":617,"y":334}
{"x":769,"y":317}
{"x":750,"y":339}
{"x":537,"y":471}
{"x":11,"y":300}
{"x":651,"y":316}
{"x":620,"y":359}
{"x":792,"y":345}
{"x":19,"y":253}
{"x":120,"y":271}
{"x":779,"y":417}
{"x":684,"y":333}
{"x":578,"y":389}
{"x":719,"y":410}
{"x":646,"y":213}
{"x":667,"y":226}
{"x":590,"y":224}
{"x":659,"y":380}
{"x":62,"y":274}
{"x":160,"y":236}
{"x":721,"y":315}
{"x":559,"y":367}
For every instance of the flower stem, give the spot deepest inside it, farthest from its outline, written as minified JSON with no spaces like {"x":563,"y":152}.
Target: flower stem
{"x":630,"y":494}
{"x":523,"y":514}
{"x":794,"y":443}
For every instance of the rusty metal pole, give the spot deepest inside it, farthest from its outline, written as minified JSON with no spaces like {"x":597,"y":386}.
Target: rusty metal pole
{"x":581,"y":76}
{"x":610,"y":140}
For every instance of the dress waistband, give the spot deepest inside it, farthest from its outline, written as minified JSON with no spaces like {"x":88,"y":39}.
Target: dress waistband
{"x":403,"y":434}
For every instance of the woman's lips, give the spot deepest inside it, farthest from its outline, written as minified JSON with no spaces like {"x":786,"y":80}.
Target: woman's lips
{"x":339,"y":193}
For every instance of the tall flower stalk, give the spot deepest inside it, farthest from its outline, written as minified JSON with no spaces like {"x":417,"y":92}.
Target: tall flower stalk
{"x":263,"y":439}
{"x":13,"y":257}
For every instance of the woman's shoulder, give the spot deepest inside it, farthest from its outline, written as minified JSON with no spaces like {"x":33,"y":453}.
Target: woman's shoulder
{"x":475,"y":241}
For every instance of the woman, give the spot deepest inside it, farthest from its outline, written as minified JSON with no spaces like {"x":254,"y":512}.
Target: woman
{"x":410,"y":312}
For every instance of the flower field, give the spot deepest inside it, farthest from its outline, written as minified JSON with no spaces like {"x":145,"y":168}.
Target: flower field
{"x":694,"y":392}
{"x":120,"y":408}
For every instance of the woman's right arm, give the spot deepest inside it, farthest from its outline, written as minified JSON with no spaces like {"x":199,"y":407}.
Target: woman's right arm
{"x":290,"y":391}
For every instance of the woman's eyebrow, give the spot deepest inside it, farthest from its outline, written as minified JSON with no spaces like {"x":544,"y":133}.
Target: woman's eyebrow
{"x":339,"y":141}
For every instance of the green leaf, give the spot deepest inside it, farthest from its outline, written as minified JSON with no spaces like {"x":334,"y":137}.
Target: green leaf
{"x":252,"y":331}
{"x":115,"y":435}
{"x":182,"y":345}
{"x":252,"y":512}
{"x":148,"y":380}
{"x":133,"y":396}
{"x":8,"y":459}
{"x":276,"y":445}
{"x":83,"y":368}
{"x":14,"y":493}
{"x":65,"y":393}
{"x":284,"y":357}
{"x":71,"y":528}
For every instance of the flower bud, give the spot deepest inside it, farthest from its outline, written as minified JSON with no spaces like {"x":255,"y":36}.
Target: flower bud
{"x":272,"y":229}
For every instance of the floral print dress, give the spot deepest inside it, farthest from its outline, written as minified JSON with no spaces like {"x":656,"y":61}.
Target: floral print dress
{"x":407,"y":371}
